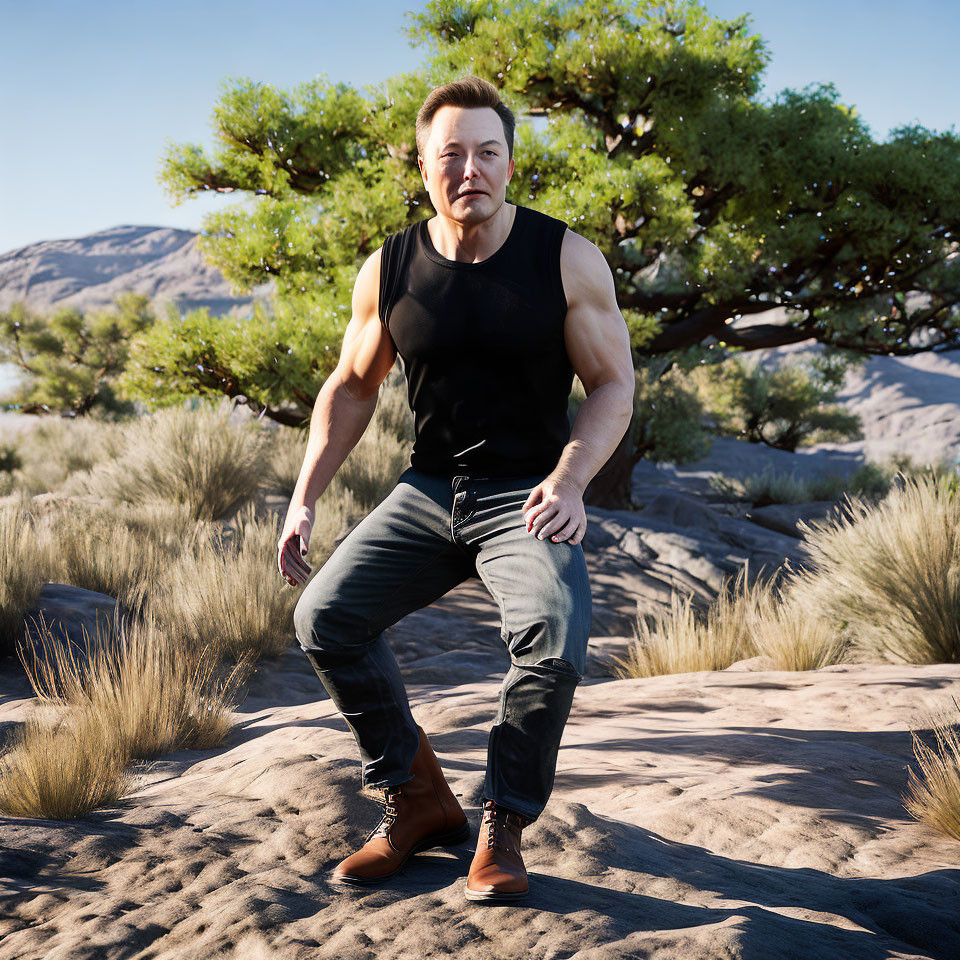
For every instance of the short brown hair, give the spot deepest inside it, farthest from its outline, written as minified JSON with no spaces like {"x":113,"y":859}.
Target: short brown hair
{"x":468,"y":91}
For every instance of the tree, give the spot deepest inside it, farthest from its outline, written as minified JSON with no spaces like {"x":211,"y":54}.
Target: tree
{"x":72,"y":359}
{"x":709,"y":205}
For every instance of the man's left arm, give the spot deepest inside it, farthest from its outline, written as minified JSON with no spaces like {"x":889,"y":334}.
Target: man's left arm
{"x":598,"y":344}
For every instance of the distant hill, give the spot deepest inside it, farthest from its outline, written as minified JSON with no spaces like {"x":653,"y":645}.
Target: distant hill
{"x":88,"y":272}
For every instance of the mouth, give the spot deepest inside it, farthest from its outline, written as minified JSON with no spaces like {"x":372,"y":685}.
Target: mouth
{"x":473,"y":193}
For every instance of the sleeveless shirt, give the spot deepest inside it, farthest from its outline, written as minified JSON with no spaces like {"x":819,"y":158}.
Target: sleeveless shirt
{"x":482,"y":350}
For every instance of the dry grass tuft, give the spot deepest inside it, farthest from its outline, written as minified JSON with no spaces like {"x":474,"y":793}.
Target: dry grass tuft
{"x":24,"y":564}
{"x":681,"y":640}
{"x":794,"y":636}
{"x":890,"y":572}
{"x":226,"y":592}
{"x":58,"y":447}
{"x":746,"y":620}
{"x":153,"y":694}
{"x":197,"y":457}
{"x":63,"y":770}
{"x":117,"y":549}
{"x":933,"y":796}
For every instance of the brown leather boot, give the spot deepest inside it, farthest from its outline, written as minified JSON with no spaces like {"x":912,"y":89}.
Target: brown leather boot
{"x":418,"y":814}
{"x":497,"y":871}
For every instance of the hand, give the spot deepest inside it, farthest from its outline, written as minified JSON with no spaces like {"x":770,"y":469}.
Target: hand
{"x":555,"y":509}
{"x":292,"y":546}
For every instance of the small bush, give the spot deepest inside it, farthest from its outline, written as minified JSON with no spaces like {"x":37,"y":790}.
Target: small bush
{"x":61,"y":770}
{"x":933,"y":796}
{"x":773,"y":486}
{"x":889,"y":572}
{"x":783,"y":407}
{"x":196,"y":457}
{"x":226,"y":593}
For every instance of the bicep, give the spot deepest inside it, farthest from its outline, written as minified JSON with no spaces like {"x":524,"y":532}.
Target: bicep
{"x":367,"y":353}
{"x":595,"y":333}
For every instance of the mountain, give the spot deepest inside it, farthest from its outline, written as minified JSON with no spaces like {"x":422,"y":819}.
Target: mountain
{"x":88,"y":272}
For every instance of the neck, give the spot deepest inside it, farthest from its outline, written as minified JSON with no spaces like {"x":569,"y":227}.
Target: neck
{"x":471,"y":242}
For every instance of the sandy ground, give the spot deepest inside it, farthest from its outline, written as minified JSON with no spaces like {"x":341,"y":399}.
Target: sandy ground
{"x":705,"y":815}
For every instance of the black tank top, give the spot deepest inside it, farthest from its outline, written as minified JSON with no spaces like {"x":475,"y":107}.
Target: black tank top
{"x":481,"y":346}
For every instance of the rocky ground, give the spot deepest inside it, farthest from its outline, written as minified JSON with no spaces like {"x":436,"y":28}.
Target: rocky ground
{"x":743,"y":813}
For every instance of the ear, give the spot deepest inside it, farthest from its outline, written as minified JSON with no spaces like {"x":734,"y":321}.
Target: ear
{"x":511,"y":166}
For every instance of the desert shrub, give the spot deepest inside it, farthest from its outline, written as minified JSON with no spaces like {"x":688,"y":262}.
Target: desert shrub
{"x":116,"y":549}
{"x":24,"y":565}
{"x":136,"y":695}
{"x":794,"y":636}
{"x":773,"y":486}
{"x":151,"y":692}
{"x":783,"y":406}
{"x":61,"y":770}
{"x":58,"y":447}
{"x":684,"y":639}
{"x":746,"y":620}
{"x":889,"y":572}
{"x":226,"y":593}
{"x":933,"y":795}
{"x":198,"y":457}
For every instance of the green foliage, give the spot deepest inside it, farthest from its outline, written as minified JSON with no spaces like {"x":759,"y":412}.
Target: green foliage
{"x":708,"y":203}
{"x":658,"y":150}
{"x":668,"y":417}
{"x":72,"y":359}
{"x":783,"y":406}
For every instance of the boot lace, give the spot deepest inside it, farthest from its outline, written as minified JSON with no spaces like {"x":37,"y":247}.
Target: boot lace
{"x":389,"y":815}
{"x":496,"y":817}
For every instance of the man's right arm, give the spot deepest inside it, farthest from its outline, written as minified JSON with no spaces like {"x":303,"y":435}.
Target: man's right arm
{"x":348,"y":398}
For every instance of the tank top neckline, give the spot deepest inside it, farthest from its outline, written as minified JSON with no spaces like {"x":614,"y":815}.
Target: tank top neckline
{"x":428,"y":248}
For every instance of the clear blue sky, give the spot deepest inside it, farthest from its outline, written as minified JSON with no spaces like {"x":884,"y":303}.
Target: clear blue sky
{"x":90,"y":90}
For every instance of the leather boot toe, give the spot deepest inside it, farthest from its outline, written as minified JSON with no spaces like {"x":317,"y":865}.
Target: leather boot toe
{"x":419,"y":813}
{"x":497,"y":871}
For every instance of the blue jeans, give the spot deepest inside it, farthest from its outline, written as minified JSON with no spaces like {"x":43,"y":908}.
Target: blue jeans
{"x":430,"y":534}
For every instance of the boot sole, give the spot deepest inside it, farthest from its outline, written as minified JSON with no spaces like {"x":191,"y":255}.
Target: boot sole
{"x":493,"y":895}
{"x":449,"y":839}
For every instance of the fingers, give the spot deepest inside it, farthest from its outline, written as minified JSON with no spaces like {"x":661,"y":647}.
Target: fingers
{"x":556,"y":527}
{"x":293,"y":568}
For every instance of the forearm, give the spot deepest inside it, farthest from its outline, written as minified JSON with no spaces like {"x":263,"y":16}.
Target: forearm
{"x":601,"y":422}
{"x":336,"y":426}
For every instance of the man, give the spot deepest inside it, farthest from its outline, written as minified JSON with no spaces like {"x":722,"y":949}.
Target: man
{"x":491,"y":307}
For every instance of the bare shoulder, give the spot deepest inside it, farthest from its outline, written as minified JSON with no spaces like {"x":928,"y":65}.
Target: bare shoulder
{"x":585,"y":271}
{"x":366,"y":288}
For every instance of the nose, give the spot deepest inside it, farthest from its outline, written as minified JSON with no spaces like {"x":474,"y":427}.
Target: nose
{"x":471,"y":168}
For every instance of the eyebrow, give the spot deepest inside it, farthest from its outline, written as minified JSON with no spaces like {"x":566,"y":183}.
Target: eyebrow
{"x":455,"y":143}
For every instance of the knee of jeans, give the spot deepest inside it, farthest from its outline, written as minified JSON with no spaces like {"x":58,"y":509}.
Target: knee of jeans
{"x":326,"y":627}
{"x":560,"y":665}
{"x":556,"y":642}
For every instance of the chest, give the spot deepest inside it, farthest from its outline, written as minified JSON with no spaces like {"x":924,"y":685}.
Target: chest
{"x":483,"y":314}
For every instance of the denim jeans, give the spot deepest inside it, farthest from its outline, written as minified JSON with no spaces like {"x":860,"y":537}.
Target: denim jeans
{"x":430,"y":534}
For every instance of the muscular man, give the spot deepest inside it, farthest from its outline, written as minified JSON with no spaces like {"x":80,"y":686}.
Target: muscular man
{"x":491,"y":307}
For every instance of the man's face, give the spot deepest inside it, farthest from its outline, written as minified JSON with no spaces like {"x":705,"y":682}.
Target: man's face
{"x":466,"y":169}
